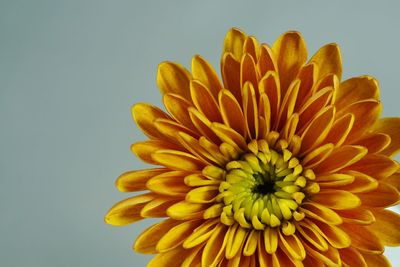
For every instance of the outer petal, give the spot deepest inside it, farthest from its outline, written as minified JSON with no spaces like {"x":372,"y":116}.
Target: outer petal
{"x":233,"y":43}
{"x":145,"y":115}
{"x":136,"y":180}
{"x":205,"y":73}
{"x":386,"y":227}
{"x":391,"y":127}
{"x":173,"y":78}
{"x":328,"y":60}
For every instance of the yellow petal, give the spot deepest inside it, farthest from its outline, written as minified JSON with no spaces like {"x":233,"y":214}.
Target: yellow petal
{"x":329,"y":257}
{"x":251,"y":243}
{"x":320,"y":212}
{"x":235,"y":239}
{"x":178,"y":107}
{"x":234,"y":41}
{"x":391,"y":127}
{"x":334,"y":235}
{"x":357,"y":216}
{"x":270,"y":239}
{"x":229,"y":136}
{"x":231,"y":112}
{"x":146,"y":242}
{"x":157,"y":207}
{"x":386,"y":227}
{"x":173,"y":257}
{"x":203,"y":125}
{"x":128,"y":211}
{"x":176,"y":235}
{"x":230,"y":70}
{"x":177,"y":160}
{"x":334,"y":180}
{"x":309,"y":231}
{"x":383,"y":196}
{"x":328,"y":60}
{"x":376,"y":260}
{"x":136,"y":180}
{"x":144,"y":149}
{"x":363,"y":239}
{"x":362,"y":183}
{"x":376,"y":166}
{"x":214,"y":250}
{"x":186,"y":210}
{"x":145,"y":115}
{"x":352,"y":257}
{"x":292,"y":246}
{"x":265,"y":259}
{"x":201,"y":233}
{"x":317,"y":155}
{"x":340,"y":158}
{"x":356,"y":89}
{"x":169,"y":183}
{"x":194,"y":258}
{"x":375,"y":142}
{"x":170,"y":128}
{"x":204,"y":101}
{"x":340,"y":129}
{"x":336,"y":199}
{"x":250,"y":110}
{"x":173,"y":78}
{"x":203,"y":194}
{"x":205,"y":73}
{"x":291,"y":52}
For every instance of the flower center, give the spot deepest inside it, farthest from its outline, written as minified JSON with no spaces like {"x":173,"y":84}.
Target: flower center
{"x":264,"y":189}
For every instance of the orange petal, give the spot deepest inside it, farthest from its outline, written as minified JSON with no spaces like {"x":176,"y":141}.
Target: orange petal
{"x":185,"y":210}
{"x":334,"y":180}
{"x":251,"y":47}
{"x":356,"y":89}
{"x":376,"y":166}
{"x":173,"y":78}
{"x":229,"y":136}
{"x":128,"y":211}
{"x":292,"y":246}
{"x":386,"y":227}
{"x":393,"y":180}
{"x":204,"y":101}
{"x":357,"y":216}
{"x":318,"y":129}
{"x":178,"y":107}
{"x":340,"y":129}
{"x":385,"y":195}
{"x":307,"y":75}
{"x":270,"y":85}
{"x":231,"y":112}
{"x":366,"y":113}
{"x":176,"y":235}
{"x":230,"y":70}
{"x":316,"y":156}
{"x":144,"y":149}
{"x":234,"y":41}
{"x":145,"y":115}
{"x":201,"y":233}
{"x":203,"y":125}
{"x":328,"y":60}
{"x":214,"y":250}
{"x":321,"y":213}
{"x":340,"y":158}
{"x":336,"y":199}
{"x":265,"y":259}
{"x":375,"y":142}
{"x":136,"y":180}
{"x":170,"y":128}
{"x":157,"y":207}
{"x":308,"y":230}
{"x":267,"y":60}
{"x":363,"y":239}
{"x":291,"y":52}
{"x":376,"y":260}
{"x":334,"y":235}
{"x":264,"y":109}
{"x":203,"y":194}
{"x":361,"y":183}
{"x":206,"y":74}
{"x":391,"y":127}
{"x":288,"y":103}
{"x":248,"y":71}
{"x":351,"y":257}
{"x":146,"y":242}
{"x":250,"y":110}
{"x":169,"y":184}
{"x":177,"y":160}
{"x":330,"y":257}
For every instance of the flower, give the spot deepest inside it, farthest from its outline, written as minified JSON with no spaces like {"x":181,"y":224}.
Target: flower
{"x":282,"y":164}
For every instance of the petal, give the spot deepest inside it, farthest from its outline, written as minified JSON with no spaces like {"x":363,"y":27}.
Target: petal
{"x":385,"y":195}
{"x":318,"y":129}
{"x":386,"y":227}
{"x":334,"y":235}
{"x":270,"y":85}
{"x":178,"y":107}
{"x":357,"y":216}
{"x":375,"y":142}
{"x":136,"y":180}
{"x":291,"y":52}
{"x":235,"y":239}
{"x":292,"y":246}
{"x":170,"y":128}
{"x":356,"y":89}
{"x":366,"y":113}
{"x":330,"y":257}
{"x":128,"y":211}
{"x":204,"y":101}
{"x":146,"y":242}
{"x":252,"y":242}
{"x":393,"y":180}
{"x":391,"y":127}
{"x":288,"y":103}
{"x":206,"y":74}
{"x":203,"y":125}
{"x":329,"y":60}
{"x":234,"y":41}
{"x":144,"y":149}
{"x":201,"y":233}
{"x":169,"y":184}
{"x":250,"y":110}
{"x":336,"y":199}
{"x":340,"y":158}
{"x":177,"y":160}
{"x":157,"y":207}
{"x":173,"y":257}
{"x":231,"y":112}
{"x":270,"y":239}
{"x":316,"y":156}
{"x":376,"y":260}
{"x":334,"y":180}
{"x":267,"y":60}
{"x":176,"y":235}
{"x":362,"y":183}
{"x":203,"y":194}
{"x":248,"y":71}
{"x":251,"y":47}
{"x":230,"y":70}
{"x":173,"y":78}
{"x":376,"y":166}
{"x":363,"y":239}
{"x":229,"y":136}
{"x":309,"y":231}
{"x":321,"y":213}
{"x":185,"y":210}
{"x":307,"y":75}
{"x":145,"y":115}
{"x":352,"y":257}
{"x":340,"y":129}
{"x":213,"y":252}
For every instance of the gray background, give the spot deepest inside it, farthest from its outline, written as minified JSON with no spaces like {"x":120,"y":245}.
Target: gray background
{"x":69,"y":72}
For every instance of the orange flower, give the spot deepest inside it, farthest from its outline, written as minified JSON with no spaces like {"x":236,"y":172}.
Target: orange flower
{"x":282,"y":164}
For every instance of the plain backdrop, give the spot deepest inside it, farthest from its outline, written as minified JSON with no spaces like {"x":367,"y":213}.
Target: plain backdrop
{"x":69,"y":73}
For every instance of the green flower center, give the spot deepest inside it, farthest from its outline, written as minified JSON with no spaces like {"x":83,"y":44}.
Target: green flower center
{"x":264,"y":189}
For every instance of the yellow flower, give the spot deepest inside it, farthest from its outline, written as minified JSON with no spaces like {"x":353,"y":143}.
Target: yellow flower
{"x":282,"y":164}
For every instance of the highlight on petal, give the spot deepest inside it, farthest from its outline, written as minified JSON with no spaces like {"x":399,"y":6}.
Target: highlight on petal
{"x":233,"y":43}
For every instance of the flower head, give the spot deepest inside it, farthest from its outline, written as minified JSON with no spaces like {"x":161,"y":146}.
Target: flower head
{"x":281,"y":164}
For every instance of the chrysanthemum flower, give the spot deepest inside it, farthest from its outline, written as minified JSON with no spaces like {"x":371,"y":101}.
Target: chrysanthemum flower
{"x":280,"y":164}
